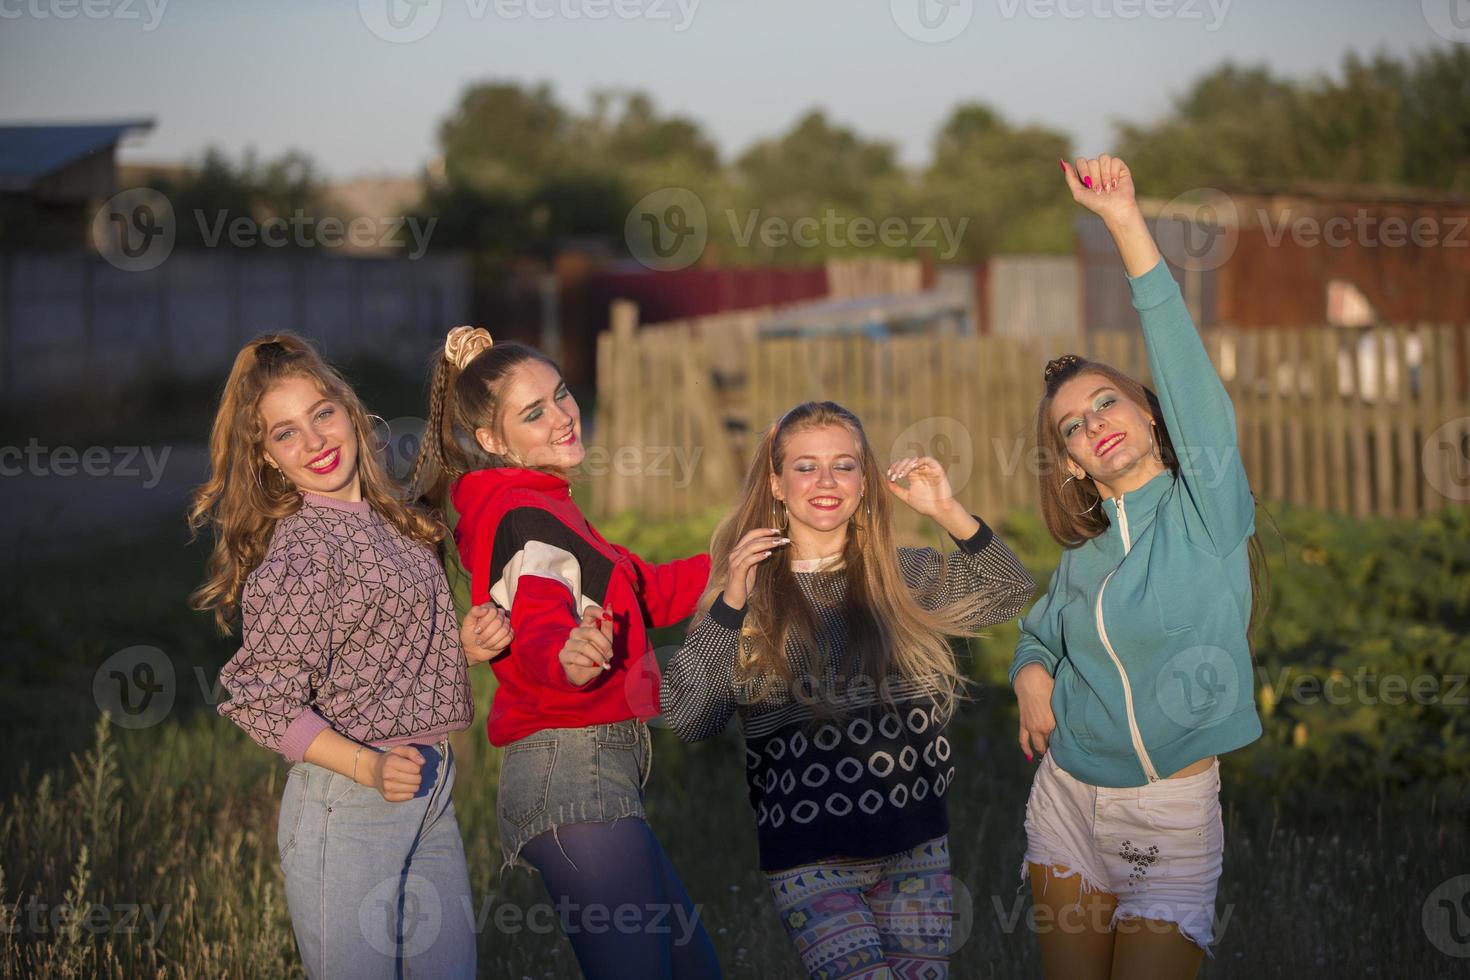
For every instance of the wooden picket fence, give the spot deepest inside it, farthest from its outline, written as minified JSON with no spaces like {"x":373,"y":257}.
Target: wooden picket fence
{"x":1374,"y":424}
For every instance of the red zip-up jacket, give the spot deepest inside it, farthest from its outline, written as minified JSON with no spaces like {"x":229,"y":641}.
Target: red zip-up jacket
{"x":527,"y":545}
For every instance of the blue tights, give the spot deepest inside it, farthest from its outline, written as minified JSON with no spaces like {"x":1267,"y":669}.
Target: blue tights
{"x":621,"y":902}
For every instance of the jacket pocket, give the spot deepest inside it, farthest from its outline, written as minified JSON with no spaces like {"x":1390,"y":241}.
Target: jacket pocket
{"x":1176,"y":618}
{"x":1075,"y":694}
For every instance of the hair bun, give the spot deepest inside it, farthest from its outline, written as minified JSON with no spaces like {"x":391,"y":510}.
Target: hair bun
{"x":1060,"y":365}
{"x":464,"y":344}
{"x":268,"y":351}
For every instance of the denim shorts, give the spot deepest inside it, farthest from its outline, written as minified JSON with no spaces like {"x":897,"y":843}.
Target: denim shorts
{"x":560,"y":776}
{"x":1157,"y":848}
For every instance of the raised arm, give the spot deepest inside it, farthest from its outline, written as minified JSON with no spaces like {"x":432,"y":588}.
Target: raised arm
{"x":1197,"y":410}
{"x":984,"y":572}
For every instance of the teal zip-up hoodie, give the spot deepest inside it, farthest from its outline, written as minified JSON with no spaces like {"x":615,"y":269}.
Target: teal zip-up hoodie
{"x":1144,"y":626}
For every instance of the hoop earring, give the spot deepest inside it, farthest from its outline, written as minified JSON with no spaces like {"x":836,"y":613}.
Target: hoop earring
{"x":1094,"y":503}
{"x":785,"y":515}
{"x":261,"y":483}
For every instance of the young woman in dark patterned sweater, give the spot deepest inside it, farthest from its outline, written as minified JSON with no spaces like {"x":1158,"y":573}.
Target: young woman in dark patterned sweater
{"x":835,"y":656}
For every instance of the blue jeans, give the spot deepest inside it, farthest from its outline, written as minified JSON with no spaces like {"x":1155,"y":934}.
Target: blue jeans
{"x":376,"y":889}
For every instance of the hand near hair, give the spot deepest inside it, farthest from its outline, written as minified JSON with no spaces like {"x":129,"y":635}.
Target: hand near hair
{"x":752,"y":549}
{"x":485,"y":632}
{"x":588,"y":650}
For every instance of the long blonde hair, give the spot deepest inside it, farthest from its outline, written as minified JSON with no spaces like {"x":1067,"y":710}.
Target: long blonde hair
{"x":243,"y":497}
{"x":887,"y":629}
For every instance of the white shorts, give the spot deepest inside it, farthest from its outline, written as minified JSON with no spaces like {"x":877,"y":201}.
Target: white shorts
{"x":1157,"y":848}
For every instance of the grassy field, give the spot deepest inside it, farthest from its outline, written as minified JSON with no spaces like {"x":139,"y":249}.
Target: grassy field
{"x":150,"y":851}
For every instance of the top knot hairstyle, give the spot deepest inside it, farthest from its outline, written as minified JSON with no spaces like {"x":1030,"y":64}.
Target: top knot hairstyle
{"x":467,"y":384}
{"x":1059,"y":369}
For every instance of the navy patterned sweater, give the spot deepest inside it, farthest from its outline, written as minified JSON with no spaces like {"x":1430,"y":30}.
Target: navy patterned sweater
{"x":870,"y":779}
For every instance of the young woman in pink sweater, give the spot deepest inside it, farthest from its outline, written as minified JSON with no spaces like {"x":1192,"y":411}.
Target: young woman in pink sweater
{"x":352,"y":666}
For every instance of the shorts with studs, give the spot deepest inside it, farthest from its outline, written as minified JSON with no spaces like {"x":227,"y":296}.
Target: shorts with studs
{"x":1157,"y":848}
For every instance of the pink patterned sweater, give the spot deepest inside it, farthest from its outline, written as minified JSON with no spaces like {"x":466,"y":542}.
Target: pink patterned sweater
{"x":347,"y":625}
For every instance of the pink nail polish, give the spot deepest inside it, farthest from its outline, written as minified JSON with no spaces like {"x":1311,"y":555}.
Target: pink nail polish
{"x":1087,"y":182}
{"x":1028,"y":758}
{"x":1063,"y":165}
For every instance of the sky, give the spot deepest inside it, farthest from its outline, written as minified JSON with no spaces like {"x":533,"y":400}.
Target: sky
{"x":361,"y":85}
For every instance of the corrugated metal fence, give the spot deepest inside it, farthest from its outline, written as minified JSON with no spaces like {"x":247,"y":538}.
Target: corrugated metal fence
{"x":69,"y":319}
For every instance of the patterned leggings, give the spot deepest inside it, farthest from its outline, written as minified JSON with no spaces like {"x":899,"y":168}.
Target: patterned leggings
{"x":882,"y":918}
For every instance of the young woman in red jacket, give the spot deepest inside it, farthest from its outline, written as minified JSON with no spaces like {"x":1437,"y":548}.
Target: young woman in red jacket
{"x":578,"y":679}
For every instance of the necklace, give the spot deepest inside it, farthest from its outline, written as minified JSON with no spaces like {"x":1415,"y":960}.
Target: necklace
{"x":815,"y":564}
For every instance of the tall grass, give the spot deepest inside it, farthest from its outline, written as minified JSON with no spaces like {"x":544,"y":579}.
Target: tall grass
{"x":128,"y":853}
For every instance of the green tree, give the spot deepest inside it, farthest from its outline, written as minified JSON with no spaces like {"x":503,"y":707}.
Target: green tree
{"x":1382,"y":121}
{"x":1004,"y":179}
{"x":1233,"y":125}
{"x":217,"y":192}
{"x":523,"y":172}
{"x":815,"y":169}
{"x":505,"y":138}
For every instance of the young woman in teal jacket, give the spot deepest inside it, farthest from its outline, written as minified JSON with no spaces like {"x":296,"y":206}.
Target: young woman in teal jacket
{"x":1133,"y":671}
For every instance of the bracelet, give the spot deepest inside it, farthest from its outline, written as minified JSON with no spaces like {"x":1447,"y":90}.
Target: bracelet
{"x":355,"y":756}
